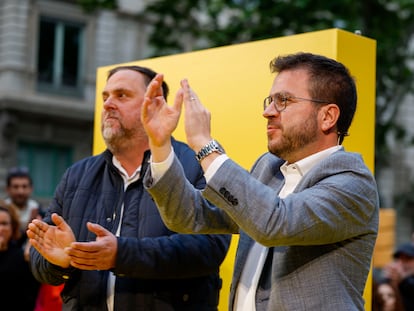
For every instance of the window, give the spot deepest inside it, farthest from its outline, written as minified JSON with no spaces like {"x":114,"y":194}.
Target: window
{"x":60,"y":57}
{"x":46,"y":164}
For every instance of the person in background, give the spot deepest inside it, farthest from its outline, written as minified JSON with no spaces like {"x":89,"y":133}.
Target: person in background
{"x":385,"y":296}
{"x":18,"y":287}
{"x":400,"y":273}
{"x":19,"y":188}
{"x":103,"y":235}
{"x":308,"y":212}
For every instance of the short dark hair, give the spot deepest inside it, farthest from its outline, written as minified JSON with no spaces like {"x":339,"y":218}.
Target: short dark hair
{"x":18,"y":172}
{"x":148,"y":73}
{"x":329,"y":81}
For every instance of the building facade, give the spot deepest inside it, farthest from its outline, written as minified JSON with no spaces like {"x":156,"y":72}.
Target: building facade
{"x":49,"y":53}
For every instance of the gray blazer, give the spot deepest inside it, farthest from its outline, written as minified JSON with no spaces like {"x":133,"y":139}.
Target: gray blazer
{"x":321,"y":236}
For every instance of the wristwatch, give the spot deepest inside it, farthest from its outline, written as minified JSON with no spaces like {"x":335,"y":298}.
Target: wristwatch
{"x":212,"y":146}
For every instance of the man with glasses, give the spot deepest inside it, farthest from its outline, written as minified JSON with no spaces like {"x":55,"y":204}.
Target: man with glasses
{"x":307,"y":213}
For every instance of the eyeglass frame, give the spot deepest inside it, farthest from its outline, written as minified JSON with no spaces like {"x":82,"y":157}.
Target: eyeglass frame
{"x":285,"y":98}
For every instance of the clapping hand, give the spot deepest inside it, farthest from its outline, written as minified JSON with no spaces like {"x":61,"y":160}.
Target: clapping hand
{"x":51,"y":241}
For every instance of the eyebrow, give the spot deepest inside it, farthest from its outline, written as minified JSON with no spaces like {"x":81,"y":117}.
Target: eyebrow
{"x":118,"y":90}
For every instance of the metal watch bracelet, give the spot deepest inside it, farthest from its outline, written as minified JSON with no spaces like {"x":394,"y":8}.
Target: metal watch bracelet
{"x":209,"y":148}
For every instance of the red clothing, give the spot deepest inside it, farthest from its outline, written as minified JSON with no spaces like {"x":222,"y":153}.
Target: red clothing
{"x":49,"y":298}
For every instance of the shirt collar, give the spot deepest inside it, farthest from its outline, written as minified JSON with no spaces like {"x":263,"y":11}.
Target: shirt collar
{"x":305,"y":165}
{"x":127,"y":179}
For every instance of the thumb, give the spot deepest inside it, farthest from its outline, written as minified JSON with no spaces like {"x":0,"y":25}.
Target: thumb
{"x":60,"y":222}
{"x":97,"y":229}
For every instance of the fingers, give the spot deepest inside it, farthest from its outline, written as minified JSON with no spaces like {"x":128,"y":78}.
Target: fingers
{"x":94,"y":246}
{"x":154,"y":89}
{"x":36,"y":229}
{"x":35,"y":232}
{"x":189,"y":96}
{"x":77,"y":248}
{"x":197,"y":118}
{"x":84,"y":255}
{"x":97,"y":229}
{"x":92,"y":255}
{"x":178,"y":102}
{"x":82,"y":259}
{"x":153,"y":98}
{"x":192,"y":102}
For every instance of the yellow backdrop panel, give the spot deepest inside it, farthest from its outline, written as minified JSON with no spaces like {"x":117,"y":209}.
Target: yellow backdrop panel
{"x":232,"y":81}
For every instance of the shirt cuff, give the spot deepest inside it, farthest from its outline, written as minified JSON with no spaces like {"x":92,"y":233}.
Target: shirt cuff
{"x":214,"y":166}
{"x":158,"y":169}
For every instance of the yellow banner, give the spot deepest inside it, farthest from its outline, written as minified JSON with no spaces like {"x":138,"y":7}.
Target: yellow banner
{"x":232,"y":81}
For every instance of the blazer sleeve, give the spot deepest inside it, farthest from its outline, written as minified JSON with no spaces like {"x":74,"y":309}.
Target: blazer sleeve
{"x":335,"y":201}
{"x":183,"y":207}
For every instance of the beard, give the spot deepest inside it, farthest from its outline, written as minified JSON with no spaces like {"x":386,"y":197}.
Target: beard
{"x":294,"y":138}
{"x":113,"y":137}
{"x":117,"y":136}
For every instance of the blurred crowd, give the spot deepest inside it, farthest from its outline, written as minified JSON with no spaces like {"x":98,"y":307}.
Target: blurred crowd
{"x":393,"y":288}
{"x":19,"y":289}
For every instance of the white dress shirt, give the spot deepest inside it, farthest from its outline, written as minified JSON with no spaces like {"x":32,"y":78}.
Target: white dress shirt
{"x":127,"y":181}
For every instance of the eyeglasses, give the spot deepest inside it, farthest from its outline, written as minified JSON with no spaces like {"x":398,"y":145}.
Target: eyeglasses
{"x":280,"y":101}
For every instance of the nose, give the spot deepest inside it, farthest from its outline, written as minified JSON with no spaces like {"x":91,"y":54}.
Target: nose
{"x":108,"y":103}
{"x":21,"y":189}
{"x":270,"y":111}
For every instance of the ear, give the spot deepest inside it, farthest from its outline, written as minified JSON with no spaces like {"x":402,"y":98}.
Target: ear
{"x":329,"y":115}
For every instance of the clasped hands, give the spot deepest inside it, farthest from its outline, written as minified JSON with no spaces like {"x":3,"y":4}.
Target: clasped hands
{"x":58,"y":245}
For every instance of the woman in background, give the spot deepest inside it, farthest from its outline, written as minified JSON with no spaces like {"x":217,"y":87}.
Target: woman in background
{"x":385,"y":297}
{"x":18,"y":287}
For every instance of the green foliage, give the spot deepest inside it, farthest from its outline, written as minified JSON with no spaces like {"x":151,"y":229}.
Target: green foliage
{"x":186,"y":25}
